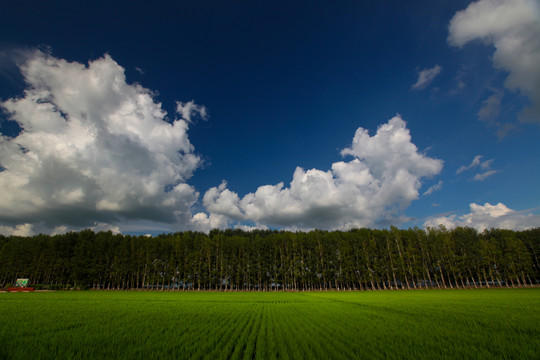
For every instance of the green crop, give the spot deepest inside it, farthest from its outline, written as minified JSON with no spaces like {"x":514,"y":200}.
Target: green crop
{"x":423,"y":324}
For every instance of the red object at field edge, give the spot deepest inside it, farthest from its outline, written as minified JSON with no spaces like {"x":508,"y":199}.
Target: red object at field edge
{"x":20,"y":289}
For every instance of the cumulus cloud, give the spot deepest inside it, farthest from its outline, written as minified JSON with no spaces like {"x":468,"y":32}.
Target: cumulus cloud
{"x":425,"y":77}
{"x":19,"y":230}
{"x":93,"y":149}
{"x":488,"y":216}
{"x":97,"y":227}
{"x":251,"y":228}
{"x":204,"y":222}
{"x":513,"y":28}
{"x":448,"y":222}
{"x":372,"y":189}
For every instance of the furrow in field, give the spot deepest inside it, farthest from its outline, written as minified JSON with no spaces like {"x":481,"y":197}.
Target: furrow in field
{"x":231,"y":336}
{"x":303,"y":338}
{"x":348,"y":329}
{"x":244,"y":343}
{"x":219,"y":333}
{"x":250,"y":345}
{"x":324,"y":330}
{"x":261,"y":345}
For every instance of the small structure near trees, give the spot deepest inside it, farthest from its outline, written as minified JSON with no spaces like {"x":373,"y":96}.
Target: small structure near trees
{"x":21,"y":286}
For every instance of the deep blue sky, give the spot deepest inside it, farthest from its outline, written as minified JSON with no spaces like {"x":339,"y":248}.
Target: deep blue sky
{"x":288,"y":83}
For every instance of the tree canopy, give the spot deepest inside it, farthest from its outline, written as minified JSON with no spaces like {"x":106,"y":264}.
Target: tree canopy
{"x":268,"y":260}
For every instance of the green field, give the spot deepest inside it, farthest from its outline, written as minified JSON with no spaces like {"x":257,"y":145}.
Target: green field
{"x":429,"y":324}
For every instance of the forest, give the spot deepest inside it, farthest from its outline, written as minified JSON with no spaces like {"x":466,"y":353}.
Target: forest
{"x":271,"y":260}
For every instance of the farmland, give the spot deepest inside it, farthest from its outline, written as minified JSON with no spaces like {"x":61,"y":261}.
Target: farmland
{"x":487,"y":323}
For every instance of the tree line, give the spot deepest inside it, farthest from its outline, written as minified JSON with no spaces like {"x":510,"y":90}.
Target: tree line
{"x":266,"y":260}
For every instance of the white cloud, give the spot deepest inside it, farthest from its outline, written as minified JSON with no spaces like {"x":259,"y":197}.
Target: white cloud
{"x":251,"y":228}
{"x":488,"y":216}
{"x":189,"y":110}
{"x":484,"y":175}
{"x":205,"y":223}
{"x":60,"y":229}
{"x":486,"y":164}
{"x":19,"y":230}
{"x":477,"y":162}
{"x":370,"y":190}
{"x":513,"y":28}
{"x":448,"y":222}
{"x":426,"y":76}
{"x":93,"y":149}
{"x":434,"y":188}
{"x":97,"y":227}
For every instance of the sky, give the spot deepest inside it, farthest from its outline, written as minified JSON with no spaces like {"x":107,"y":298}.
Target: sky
{"x":147,"y":118}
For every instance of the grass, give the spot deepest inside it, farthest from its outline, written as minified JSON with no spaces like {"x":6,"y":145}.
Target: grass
{"x":426,"y":324}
